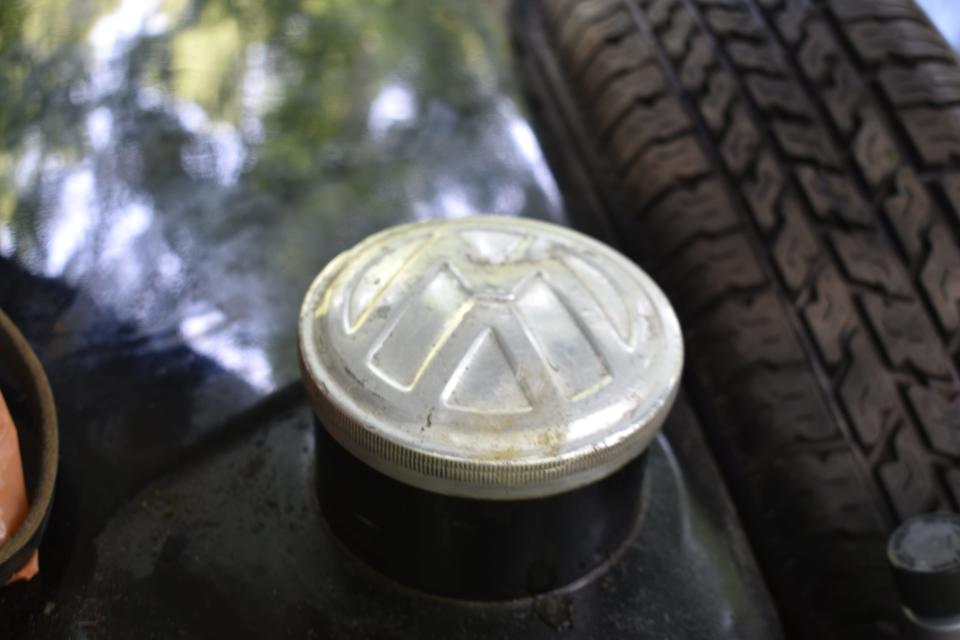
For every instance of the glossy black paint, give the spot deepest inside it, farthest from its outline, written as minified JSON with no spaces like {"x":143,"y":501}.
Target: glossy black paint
{"x":172,"y":176}
{"x":232,"y":543}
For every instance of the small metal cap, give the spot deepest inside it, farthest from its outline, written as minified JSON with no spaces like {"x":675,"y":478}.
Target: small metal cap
{"x":488,"y":357}
{"x":924,"y":553}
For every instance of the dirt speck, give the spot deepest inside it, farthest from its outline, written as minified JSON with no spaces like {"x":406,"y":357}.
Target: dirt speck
{"x":555,"y":611}
{"x":552,"y":440}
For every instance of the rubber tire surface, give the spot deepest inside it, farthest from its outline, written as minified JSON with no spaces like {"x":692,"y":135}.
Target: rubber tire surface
{"x":789,"y":171}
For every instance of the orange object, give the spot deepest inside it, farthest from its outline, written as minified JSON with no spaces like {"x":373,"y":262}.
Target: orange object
{"x":13,"y":489}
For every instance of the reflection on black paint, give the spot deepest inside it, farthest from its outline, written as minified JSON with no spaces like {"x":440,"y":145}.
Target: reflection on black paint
{"x":191,"y":165}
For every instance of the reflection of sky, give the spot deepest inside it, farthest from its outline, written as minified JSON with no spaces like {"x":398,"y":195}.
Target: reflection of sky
{"x":946,"y":15}
{"x":206,"y":331}
{"x":259,"y":90}
{"x":185,"y":215}
{"x":111,"y":37}
{"x":529,"y":149}
{"x":393,"y":105}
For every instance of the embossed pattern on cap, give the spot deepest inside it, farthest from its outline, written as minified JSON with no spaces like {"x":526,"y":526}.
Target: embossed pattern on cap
{"x":489,"y":357}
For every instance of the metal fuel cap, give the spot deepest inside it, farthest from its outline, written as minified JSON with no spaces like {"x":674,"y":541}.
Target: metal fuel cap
{"x":490,"y":358}
{"x":924,"y":554}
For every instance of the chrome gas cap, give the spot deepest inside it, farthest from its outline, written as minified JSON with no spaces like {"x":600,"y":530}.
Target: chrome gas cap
{"x":489,"y":358}
{"x":484,"y":389}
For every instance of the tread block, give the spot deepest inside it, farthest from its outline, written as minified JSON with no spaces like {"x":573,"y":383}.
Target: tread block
{"x":940,"y":277}
{"x":796,"y":250}
{"x":784,"y":409}
{"x":822,"y":62}
{"x":681,"y":30}
{"x":844,"y":95}
{"x":637,"y":86}
{"x":741,"y":142}
{"x":831,"y":315}
{"x":939,"y":418}
{"x":622,"y":57}
{"x":721,"y":91}
{"x":661,"y":166}
{"x":774,"y":94}
{"x":645,"y":125}
{"x":868,"y":262}
{"x":734,"y":21}
{"x":762,"y":190}
{"x":581,"y":12}
{"x":744,"y":332}
{"x":906,"y":336}
{"x":935,"y":133}
{"x":659,"y":12}
{"x":752,"y":56}
{"x":792,"y":19}
{"x":805,"y":142}
{"x":908,"y":209}
{"x":931,"y":83}
{"x":693,"y":71}
{"x":908,"y":479}
{"x":832,"y":196}
{"x":686,"y":214}
{"x":874,"y":150}
{"x":588,"y":39}
{"x":869,"y":396}
{"x":819,"y":51}
{"x":708,"y":269}
{"x":878,"y":42}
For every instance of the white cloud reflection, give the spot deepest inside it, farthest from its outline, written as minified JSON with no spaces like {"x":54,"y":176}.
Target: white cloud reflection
{"x":69,"y":225}
{"x":529,"y":149}
{"x":207,"y":331}
{"x":393,"y":105}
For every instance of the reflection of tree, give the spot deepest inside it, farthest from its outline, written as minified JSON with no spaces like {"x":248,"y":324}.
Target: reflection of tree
{"x":31,"y":67}
{"x":243,"y":129}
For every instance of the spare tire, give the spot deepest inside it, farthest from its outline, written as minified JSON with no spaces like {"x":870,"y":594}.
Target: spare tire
{"x":787,"y":170}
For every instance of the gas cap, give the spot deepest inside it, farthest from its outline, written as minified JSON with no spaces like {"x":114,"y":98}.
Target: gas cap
{"x":486,"y":360}
{"x":924,"y":554}
{"x":489,"y":357}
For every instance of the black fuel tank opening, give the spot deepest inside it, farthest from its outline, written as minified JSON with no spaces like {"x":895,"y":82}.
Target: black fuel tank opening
{"x":475,"y":549}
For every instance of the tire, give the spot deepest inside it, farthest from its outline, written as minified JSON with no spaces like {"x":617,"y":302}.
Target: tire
{"x":788,"y":171}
